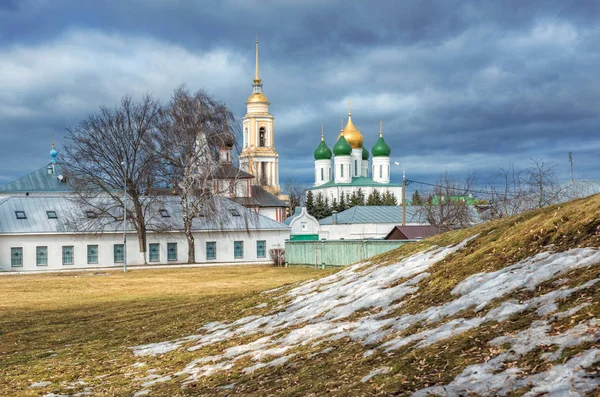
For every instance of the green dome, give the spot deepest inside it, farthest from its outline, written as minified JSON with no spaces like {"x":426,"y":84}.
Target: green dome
{"x":342,"y":147}
{"x":365,"y":153}
{"x":322,"y":152}
{"x":381,"y":149}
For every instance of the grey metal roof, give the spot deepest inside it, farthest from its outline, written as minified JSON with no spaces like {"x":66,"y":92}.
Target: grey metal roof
{"x":266,"y":199}
{"x":377,"y":214}
{"x":39,"y":182}
{"x":70,"y":212}
{"x":296,"y":213}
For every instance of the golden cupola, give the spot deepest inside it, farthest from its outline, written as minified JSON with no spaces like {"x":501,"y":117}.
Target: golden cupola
{"x":351,"y":134}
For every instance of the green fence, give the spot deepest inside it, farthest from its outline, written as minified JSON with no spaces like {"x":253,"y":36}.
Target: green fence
{"x":334,"y":253}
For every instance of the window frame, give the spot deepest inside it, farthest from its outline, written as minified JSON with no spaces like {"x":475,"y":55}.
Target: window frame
{"x":150,"y":245}
{"x":51,"y":214}
{"x":19,"y":256}
{"x":164,"y":213}
{"x":234,"y":212}
{"x":235,"y":248}
{"x":43,"y":251}
{"x":262,"y":137}
{"x":264,"y":249}
{"x":97,"y":256}
{"x":20,"y":214}
{"x":169,"y":250}
{"x":72,"y":255}
{"x":122,"y":247}
{"x":214,"y":250}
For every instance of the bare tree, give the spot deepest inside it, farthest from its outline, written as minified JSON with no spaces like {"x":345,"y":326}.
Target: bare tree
{"x":543,"y":182}
{"x":515,"y":191}
{"x":447,"y":205}
{"x":111,"y":149}
{"x":296,"y":193}
{"x":508,"y":193}
{"x":194,"y":130}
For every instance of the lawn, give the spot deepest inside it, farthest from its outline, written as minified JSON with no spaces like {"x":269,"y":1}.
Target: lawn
{"x":75,"y":329}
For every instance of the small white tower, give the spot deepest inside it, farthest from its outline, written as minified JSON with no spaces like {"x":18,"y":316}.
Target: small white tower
{"x":342,"y":161}
{"x":381,"y":159}
{"x":322,"y":162}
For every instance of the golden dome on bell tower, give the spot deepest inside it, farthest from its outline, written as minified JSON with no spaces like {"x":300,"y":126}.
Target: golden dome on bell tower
{"x":351,"y":134}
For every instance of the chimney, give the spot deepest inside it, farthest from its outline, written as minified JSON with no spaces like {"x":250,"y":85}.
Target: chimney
{"x":334,"y":217}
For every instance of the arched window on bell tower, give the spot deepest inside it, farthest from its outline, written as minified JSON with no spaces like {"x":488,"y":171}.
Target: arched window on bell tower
{"x":262,"y":136}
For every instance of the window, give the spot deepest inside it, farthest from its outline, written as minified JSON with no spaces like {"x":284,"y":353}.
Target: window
{"x":67,"y":254}
{"x":238,"y":249}
{"x":20,"y":215}
{"x":234,"y":212}
{"x":329,"y":173}
{"x":322,"y":174}
{"x":51,"y":214}
{"x":380,"y":170}
{"x":41,"y":256}
{"x":261,"y":249}
{"x":355,"y":167}
{"x":211,"y":250}
{"x":304,"y":226}
{"x":341,"y":170}
{"x":164,"y":213}
{"x":92,"y":254}
{"x":118,"y":253}
{"x":16,"y":256}
{"x":90,"y":214}
{"x":171,"y":251}
{"x":154,"y":252}
{"x":262,"y":135}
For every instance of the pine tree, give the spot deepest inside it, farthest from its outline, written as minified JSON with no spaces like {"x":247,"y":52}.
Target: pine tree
{"x":374,"y":198}
{"x":388,"y":198}
{"x":357,"y":198}
{"x":310,"y":203}
{"x":328,"y":209}
{"x":334,"y":205}
{"x":321,"y":207}
{"x":416,"y":198}
{"x":342,"y":206}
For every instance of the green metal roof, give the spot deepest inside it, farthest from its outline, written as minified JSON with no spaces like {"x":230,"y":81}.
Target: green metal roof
{"x":39,"y":181}
{"x":360,"y":181}
{"x":381,"y":149}
{"x":304,"y":237}
{"x":342,"y":147}
{"x":322,"y":152}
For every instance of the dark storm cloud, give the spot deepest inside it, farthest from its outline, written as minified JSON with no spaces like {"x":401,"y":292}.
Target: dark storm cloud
{"x":462,"y":86}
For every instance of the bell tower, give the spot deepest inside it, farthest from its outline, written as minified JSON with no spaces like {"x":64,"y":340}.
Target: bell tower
{"x":258,"y":156}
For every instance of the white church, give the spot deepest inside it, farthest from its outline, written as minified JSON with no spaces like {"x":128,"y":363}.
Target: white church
{"x":350,"y":171}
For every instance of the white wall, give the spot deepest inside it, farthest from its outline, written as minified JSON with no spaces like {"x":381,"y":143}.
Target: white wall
{"x":357,"y":231}
{"x":304,"y":224}
{"x":105,"y":242}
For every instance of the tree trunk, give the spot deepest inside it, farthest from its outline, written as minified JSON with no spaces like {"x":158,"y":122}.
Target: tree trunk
{"x":187,"y":225}
{"x":141,"y":232}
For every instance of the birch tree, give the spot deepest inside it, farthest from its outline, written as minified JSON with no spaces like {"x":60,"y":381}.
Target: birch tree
{"x":192,"y":130}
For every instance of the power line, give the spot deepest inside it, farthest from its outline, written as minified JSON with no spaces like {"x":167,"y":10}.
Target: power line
{"x":409,"y":181}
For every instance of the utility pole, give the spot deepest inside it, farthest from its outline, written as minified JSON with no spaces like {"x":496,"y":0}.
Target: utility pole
{"x":403,"y":197}
{"x":124,"y":218}
{"x":571,"y":161}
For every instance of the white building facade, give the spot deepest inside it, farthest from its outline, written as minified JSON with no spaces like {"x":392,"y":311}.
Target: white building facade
{"x":35,"y":236}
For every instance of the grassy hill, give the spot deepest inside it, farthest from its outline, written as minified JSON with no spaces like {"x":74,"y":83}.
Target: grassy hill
{"x":510,"y":307}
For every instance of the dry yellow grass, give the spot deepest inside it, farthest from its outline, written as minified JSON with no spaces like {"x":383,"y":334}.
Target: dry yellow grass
{"x":65,"y":327}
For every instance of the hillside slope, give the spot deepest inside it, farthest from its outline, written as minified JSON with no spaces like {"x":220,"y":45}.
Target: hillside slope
{"x":510,"y":307}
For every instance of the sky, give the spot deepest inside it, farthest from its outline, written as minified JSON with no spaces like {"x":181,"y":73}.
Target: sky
{"x":462,"y":87}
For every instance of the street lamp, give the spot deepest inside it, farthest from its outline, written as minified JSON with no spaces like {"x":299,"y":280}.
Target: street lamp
{"x":124,"y":217}
{"x":403,"y":194}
